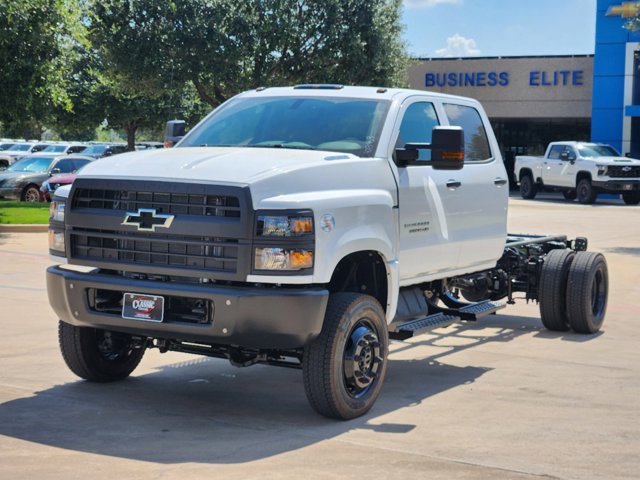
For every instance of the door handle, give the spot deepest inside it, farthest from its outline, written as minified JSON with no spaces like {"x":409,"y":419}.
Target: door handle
{"x":500,"y":181}
{"x":453,"y":184}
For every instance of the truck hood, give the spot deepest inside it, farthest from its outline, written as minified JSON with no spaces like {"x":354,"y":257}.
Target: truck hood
{"x":217,"y":165}
{"x":277,"y":177}
{"x":632,"y":162}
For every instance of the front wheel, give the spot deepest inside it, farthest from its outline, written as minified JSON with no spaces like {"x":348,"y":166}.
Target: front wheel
{"x":345,"y":366}
{"x":585,"y":192}
{"x":98,"y":355}
{"x":631,"y":198}
{"x":528,"y":188}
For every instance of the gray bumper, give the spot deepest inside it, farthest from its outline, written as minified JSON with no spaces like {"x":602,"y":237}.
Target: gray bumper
{"x":618,"y":186}
{"x":12,"y":193}
{"x":270,"y":318}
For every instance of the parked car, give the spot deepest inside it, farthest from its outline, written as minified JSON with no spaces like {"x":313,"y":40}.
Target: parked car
{"x":65,"y":148}
{"x":50,"y":185}
{"x":22,"y":180}
{"x":19,"y":150}
{"x":103,"y":150}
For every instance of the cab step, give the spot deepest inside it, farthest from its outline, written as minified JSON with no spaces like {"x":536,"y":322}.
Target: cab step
{"x":421,"y":325}
{"x":474,"y":311}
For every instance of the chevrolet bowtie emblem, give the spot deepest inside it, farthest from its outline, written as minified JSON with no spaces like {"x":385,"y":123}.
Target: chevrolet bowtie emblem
{"x":147,"y":219}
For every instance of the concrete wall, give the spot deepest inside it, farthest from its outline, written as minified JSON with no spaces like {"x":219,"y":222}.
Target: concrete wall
{"x":513,"y":87}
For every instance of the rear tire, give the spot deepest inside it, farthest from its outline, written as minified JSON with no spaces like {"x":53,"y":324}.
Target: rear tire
{"x":631,"y":198}
{"x":528,"y":188}
{"x":98,"y":355}
{"x":553,"y":290}
{"x":585,"y":192}
{"x":587,"y":291}
{"x":344,"y":367}
{"x":569,"y":194}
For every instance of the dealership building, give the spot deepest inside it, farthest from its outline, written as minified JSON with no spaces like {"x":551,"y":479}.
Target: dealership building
{"x":534,"y":100}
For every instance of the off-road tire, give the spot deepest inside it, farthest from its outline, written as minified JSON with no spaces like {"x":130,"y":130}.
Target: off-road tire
{"x":587,"y":291}
{"x":586,"y":194}
{"x":86,"y":354}
{"x":330,"y":365}
{"x":528,"y":188}
{"x":553,"y":289}
{"x":31,"y":194}
{"x":569,"y":194}
{"x":631,"y":198}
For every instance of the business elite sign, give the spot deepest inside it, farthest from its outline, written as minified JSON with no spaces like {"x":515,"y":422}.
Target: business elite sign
{"x":536,"y":78}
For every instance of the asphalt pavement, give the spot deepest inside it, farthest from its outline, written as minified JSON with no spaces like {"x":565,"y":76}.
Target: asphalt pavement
{"x":499,"y":399}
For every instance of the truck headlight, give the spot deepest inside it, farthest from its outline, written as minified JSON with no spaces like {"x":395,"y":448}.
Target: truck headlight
{"x":284,"y":225}
{"x":56,"y":211}
{"x":602,"y":170}
{"x":56,"y":228}
{"x":283,"y":259}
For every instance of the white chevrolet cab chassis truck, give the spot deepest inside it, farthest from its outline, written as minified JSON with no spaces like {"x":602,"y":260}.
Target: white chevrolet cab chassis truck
{"x":579,"y":170}
{"x":304,"y":227}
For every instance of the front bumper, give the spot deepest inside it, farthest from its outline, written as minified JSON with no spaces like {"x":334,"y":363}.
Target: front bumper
{"x":618,"y":186}
{"x":262,"y":318}
{"x":12,"y":193}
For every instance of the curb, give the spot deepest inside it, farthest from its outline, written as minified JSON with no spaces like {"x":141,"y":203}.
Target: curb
{"x":23,"y":228}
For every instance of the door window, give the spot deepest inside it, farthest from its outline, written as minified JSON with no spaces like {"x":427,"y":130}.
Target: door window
{"x":417,"y":125}
{"x":65,"y":166}
{"x":476,"y":143}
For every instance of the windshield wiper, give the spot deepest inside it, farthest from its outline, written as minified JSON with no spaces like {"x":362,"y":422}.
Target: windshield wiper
{"x":282,"y":145}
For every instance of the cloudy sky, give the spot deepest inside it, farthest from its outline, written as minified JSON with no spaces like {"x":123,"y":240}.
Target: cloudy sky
{"x":461,"y":28}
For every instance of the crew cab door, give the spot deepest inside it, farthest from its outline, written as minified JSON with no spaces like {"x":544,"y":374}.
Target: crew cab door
{"x":430,"y":211}
{"x":481,"y":208}
{"x":558,"y":167}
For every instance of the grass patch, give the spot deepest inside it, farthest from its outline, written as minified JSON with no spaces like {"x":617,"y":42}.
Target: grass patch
{"x":23,"y":212}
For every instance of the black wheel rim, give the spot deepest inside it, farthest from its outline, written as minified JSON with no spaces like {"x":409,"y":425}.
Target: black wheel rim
{"x":526,"y":187}
{"x":362,"y":359}
{"x":584,"y":191}
{"x":598,"y":294}
{"x":113,"y":348}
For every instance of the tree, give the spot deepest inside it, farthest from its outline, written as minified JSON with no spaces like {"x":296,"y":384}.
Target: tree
{"x":223,"y":47}
{"x":36,"y":40}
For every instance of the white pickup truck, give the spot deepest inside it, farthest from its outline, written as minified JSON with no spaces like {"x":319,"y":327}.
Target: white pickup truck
{"x":304,"y":227}
{"x":579,"y":170}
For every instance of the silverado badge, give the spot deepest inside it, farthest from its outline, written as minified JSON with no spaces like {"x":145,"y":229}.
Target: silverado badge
{"x":147,"y":219}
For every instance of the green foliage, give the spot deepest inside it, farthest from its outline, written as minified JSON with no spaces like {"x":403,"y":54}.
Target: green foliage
{"x":36,"y":44}
{"x":223,"y":47}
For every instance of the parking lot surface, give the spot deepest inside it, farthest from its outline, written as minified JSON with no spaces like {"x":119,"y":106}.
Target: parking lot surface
{"x":499,"y":399}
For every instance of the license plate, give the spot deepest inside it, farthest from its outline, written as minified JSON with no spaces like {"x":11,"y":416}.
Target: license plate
{"x":627,"y":187}
{"x":136,"y":306}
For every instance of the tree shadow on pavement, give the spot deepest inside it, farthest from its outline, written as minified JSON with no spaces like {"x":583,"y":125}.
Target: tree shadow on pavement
{"x":206,"y":411}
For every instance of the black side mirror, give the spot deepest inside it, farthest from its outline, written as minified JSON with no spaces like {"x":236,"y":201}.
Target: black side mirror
{"x":447,"y":150}
{"x":174,"y":132}
{"x":54,"y":171}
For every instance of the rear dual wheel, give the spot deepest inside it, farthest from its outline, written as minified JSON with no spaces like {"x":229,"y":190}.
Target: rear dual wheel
{"x":573,"y":291}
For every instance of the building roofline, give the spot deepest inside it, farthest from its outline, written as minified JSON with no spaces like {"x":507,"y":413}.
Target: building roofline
{"x":432,"y":59}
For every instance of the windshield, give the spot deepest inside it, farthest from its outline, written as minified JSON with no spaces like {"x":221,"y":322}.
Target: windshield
{"x":32,"y":164}
{"x":54,"y":149}
{"x":335,"y":124}
{"x":21,"y":147}
{"x":6,"y":146}
{"x":94,"y":150}
{"x":593,"y":151}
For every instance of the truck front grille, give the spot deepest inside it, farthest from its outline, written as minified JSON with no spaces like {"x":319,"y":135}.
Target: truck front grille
{"x":169,"y":203}
{"x":201,"y":253}
{"x":618,"y":171}
{"x":209,"y":235}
